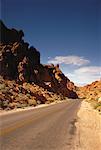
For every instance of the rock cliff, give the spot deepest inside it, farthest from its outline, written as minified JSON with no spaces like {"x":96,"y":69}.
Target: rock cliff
{"x":20,"y":65}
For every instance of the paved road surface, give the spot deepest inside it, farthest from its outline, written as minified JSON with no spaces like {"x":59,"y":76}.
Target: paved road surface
{"x":48,"y":128}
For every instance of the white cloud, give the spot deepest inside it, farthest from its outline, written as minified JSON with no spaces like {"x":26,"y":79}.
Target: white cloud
{"x":71,"y":59}
{"x":89,"y":70}
{"x":85,"y":75}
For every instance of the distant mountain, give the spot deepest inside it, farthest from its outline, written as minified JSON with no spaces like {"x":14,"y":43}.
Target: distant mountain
{"x":91,"y":93}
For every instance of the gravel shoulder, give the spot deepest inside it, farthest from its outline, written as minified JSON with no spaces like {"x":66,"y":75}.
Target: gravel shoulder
{"x":88,"y":133}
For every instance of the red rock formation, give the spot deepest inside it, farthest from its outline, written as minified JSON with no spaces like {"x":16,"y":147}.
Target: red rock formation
{"x":58,"y":81}
{"x":91,"y":91}
{"x":17,"y":60}
{"x":21,"y":63}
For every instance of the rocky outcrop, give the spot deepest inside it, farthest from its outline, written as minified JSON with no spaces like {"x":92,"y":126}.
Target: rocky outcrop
{"x":17,"y":60}
{"x":10,"y":35}
{"x":53,"y":77}
{"x":20,"y":64}
{"x":91,"y":93}
{"x":14,"y":95}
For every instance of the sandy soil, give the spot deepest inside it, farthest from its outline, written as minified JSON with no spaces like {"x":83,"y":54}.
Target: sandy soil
{"x":88,"y":133}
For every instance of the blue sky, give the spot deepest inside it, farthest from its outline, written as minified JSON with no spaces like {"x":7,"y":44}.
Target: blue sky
{"x":67,"y":32}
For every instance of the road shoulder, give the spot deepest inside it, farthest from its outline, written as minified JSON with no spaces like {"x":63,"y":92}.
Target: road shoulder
{"x":88,"y":133}
{"x":4,"y":112}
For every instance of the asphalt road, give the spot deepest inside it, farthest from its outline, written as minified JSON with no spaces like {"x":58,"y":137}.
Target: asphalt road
{"x":47,"y":128}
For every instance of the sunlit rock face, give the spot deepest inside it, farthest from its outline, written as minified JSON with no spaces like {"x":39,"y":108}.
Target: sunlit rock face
{"x":91,"y":92}
{"x":21,"y":63}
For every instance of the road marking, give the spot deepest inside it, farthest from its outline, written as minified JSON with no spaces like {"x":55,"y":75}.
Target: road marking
{"x":27,"y":121}
{"x":17,"y":125}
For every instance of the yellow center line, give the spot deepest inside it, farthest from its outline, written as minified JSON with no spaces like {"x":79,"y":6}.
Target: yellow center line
{"x":27,"y":121}
{"x":5,"y":131}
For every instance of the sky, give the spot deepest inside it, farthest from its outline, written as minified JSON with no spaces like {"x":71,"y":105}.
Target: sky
{"x":66,"y":32}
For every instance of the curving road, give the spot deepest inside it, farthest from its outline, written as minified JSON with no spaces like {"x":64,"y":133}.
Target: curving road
{"x":47,"y":128}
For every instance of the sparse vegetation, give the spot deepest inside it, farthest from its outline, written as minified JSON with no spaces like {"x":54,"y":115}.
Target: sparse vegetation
{"x":92,"y":94}
{"x":24,"y":81}
{"x":98,"y":106}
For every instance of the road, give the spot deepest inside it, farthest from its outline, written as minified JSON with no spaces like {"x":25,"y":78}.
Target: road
{"x":47,"y":128}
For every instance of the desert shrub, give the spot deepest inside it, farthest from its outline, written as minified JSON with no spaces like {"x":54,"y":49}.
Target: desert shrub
{"x":97,"y":105}
{"x":28,"y":95}
{"x":99,"y":108}
{"x":32,"y":102}
{"x":4,"y":104}
{"x":24,"y":105}
{"x":1,"y":104}
{"x":12,"y":105}
{"x":2,"y":86}
{"x":19,"y":105}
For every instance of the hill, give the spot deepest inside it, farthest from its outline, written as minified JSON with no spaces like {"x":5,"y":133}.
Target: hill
{"x":91,"y":93}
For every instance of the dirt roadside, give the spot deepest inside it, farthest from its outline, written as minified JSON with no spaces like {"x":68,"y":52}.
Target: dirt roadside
{"x":88,"y":125}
